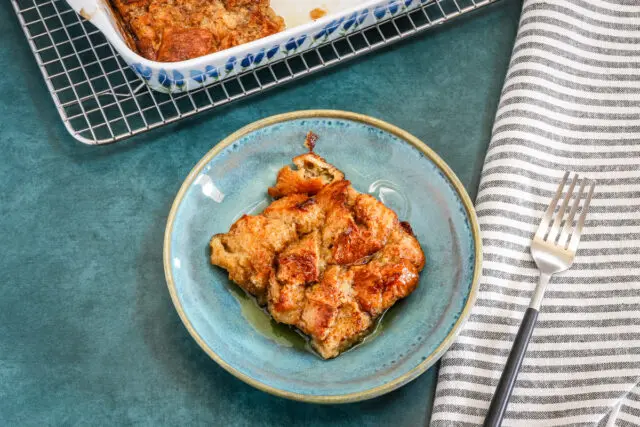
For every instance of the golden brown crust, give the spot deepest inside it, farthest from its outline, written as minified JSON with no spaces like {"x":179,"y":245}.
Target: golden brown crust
{"x":300,"y":210}
{"x":249,"y":249}
{"x":329,"y":263}
{"x":312,"y":174}
{"x":300,"y":261}
{"x":175,"y":30}
{"x":180,"y":44}
{"x":379,"y":285}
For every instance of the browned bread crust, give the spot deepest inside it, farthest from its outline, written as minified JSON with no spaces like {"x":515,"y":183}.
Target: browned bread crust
{"x":323,"y":257}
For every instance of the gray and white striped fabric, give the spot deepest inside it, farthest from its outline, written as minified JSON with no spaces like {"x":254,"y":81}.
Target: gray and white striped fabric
{"x":571,"y":101}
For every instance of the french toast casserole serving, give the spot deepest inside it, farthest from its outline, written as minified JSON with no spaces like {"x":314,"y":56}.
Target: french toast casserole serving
{"x":322,"y":257}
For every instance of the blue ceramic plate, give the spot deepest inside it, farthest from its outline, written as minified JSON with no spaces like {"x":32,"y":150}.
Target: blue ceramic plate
{"x":378,"y":158}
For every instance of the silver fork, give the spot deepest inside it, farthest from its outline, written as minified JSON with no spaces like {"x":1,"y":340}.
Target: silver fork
{"x":552,"y":253}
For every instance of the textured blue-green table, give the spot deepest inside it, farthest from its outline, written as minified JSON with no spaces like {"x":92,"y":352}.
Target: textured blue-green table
{"x":88,"y":334}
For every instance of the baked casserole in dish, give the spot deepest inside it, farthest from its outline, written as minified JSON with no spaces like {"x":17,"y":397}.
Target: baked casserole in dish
{"x":180,"y":45}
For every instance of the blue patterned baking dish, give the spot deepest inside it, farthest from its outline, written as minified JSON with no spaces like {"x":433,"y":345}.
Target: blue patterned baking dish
{"x":302,"y":33}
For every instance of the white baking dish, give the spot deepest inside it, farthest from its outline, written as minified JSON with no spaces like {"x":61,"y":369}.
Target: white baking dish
{"x":344,"y":16}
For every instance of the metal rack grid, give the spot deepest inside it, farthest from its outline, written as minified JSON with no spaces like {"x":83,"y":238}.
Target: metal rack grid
{"x":101,"y":100}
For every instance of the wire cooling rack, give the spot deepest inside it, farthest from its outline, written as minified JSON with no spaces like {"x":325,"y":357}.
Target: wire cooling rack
{"x":101,"y":100}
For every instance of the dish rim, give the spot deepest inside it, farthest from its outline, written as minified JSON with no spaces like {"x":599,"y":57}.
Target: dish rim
{"x":387,"y":127}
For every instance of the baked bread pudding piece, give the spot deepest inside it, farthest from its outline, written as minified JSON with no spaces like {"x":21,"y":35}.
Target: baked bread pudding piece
{"x":323,"y":257}
{"x":176,"y":30}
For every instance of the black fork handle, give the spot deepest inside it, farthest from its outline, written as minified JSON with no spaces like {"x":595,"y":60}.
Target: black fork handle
{"x":500,"y":400}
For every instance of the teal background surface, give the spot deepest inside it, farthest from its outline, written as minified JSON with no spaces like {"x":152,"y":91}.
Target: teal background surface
{"x":88,"y":334}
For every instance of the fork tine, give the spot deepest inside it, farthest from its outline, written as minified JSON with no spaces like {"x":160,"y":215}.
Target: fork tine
{"x":568,"y":225}
{"x":555,"y":227}
{"x":544,"y":222}
{"x":575,"y":237}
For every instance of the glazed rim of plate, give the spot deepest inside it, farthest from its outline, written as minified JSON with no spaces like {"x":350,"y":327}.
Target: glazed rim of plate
{"x":344,"y":115}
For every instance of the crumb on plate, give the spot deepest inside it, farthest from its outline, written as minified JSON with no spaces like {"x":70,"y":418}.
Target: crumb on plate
{"x":317,"y":13}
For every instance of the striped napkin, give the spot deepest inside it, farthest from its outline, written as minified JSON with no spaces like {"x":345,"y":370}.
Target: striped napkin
{"x":571,"y":101}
